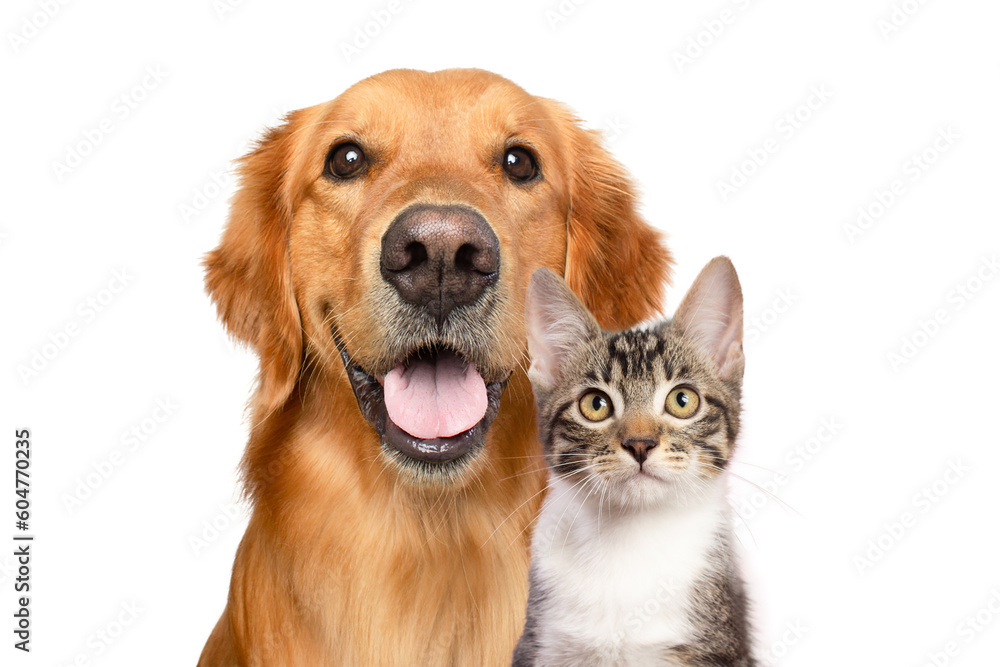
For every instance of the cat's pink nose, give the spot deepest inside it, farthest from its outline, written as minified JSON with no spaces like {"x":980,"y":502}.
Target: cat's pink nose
{"x":638,"y":448}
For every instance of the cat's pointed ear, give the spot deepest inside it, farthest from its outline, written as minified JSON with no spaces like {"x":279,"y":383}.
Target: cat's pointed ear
{"x":712,"y":314}
{"x":557,"y":323}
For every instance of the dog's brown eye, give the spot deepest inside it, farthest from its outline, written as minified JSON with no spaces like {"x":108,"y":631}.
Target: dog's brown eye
{"x":346,"y":160}
{"x":519,"y":164}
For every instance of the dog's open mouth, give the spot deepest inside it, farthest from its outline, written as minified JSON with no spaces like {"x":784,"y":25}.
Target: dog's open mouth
{"x":433,"y":406}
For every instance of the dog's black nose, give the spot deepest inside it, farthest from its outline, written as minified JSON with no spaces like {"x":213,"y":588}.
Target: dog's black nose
{"x":639,"y":449}
{"x":440,"y":257}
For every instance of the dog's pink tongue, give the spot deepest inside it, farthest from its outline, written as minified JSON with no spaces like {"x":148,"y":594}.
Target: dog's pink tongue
{"x":435,"y":399}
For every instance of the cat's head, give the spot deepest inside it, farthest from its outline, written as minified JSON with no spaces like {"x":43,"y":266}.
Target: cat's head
{"x":646,"y":416}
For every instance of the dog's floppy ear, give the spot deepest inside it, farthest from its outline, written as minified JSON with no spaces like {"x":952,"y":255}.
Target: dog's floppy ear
{"x":615,"y":261}
{"x":248,"y":274}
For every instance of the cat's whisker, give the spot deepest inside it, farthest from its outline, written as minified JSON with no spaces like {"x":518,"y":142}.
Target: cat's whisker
{"x":745,"y":525}
{"x":752,"y":465}
{"x":533,"y":471}
{"x":758,"y":487}
{"x":537,"y":470}
{"x":583,"y":503}
{"x":548,"y":485}
{"x":579,"y":487}
{"x":516,"y":458}
{"x":515,"y":511}
{"x":600,"y":507}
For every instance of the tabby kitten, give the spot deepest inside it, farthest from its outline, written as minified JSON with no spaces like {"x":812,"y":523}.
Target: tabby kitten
{"x":633,"y":561}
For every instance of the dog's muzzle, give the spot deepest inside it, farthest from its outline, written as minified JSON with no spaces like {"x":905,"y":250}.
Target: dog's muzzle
{"x":433,"y":406}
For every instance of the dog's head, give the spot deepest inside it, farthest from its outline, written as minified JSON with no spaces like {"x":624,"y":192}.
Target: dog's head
{"x":392,"y":232}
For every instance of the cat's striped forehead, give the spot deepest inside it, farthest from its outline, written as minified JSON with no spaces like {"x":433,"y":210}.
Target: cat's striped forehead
{"x":636,"y":352}
{"x":636,"y":355}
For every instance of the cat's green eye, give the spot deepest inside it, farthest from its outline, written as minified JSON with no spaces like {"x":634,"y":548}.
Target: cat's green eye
{"x":683,"y":402}
{"x":596,"y":406}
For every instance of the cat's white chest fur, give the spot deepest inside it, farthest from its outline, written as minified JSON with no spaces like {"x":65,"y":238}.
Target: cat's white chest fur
{"x":618,"y":584}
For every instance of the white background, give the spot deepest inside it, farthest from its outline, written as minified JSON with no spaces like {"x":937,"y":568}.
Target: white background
{"x":681,"y":129}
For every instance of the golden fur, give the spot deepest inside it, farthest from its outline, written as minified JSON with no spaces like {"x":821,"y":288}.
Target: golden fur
{"x":347,"y":560}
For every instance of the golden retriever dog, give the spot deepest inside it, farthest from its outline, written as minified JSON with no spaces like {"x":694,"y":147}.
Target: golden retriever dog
{"x":376,"y":259}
